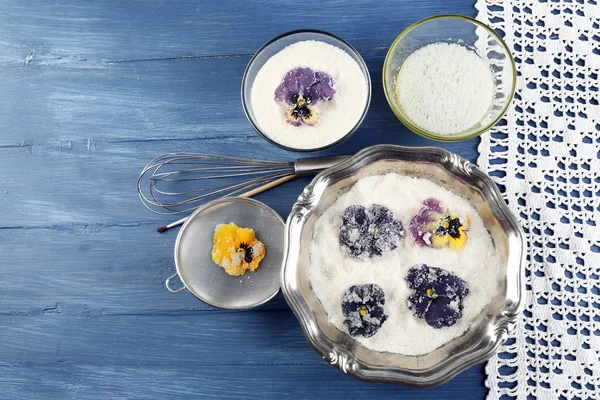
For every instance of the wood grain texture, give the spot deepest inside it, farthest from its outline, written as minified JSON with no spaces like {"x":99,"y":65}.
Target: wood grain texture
{"x":94,"y":130}
{"x":91,"y":91}
{"x":198,"y":381}
{"x":80,"y":32}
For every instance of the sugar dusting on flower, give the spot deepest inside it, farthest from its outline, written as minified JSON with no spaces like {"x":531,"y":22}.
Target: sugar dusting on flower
{"x":367,"y":232}
{"x":435,"y":227}
{"x":362,"y":307}
{"x":300,"y":92}
{"x":438,"y":295}
{"x":236,"y":249}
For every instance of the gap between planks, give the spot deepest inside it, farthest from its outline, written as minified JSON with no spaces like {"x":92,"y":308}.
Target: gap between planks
{"x":62,"y":61}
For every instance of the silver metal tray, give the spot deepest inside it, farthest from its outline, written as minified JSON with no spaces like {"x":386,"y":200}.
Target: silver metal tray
{"x":487,"y":331}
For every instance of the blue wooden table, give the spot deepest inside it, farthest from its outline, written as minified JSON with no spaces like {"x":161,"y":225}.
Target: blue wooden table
{"x":91,"y":91}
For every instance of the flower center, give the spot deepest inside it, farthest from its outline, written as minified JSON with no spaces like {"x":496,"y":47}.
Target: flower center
{"x":248,"y":252}
{"x":453,"y":227}
{"x":300,"y":90}
{"x":431,"y":293}
{"x":363,"y":311}
{"x":301,"y":111}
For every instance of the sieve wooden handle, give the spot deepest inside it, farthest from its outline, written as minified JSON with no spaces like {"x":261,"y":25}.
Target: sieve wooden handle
{"x":268,"y":186}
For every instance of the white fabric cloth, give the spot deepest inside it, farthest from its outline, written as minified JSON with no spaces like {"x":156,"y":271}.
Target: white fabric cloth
{"x":545,"y":157}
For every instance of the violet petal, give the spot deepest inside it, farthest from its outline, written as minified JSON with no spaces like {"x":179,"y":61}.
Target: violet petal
{"x":429,"y":213}
{"x":443,"y":313}
{"x":369,"y":232}
{"x":438,"y":295}
{"x":434,"y":205}
{"x":322,"y":89}
{"x":369,"y":297}
{"x":294,"y":84}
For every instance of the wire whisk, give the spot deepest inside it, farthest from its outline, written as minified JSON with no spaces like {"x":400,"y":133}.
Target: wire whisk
{"x":176,"y":183}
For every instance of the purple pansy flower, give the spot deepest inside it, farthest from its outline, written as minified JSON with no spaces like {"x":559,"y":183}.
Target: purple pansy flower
{"x":300,"y":90}
{"x":371,"y":231}
{"x":438,"y":296}
{"x":363,"y":308}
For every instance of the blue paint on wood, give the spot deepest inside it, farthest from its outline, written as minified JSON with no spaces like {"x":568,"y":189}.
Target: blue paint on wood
{"x":90,"y":92}
{"x":74,"y":32}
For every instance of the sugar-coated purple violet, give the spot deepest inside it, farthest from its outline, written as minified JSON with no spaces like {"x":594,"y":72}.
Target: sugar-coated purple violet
{"x":300,"y":90}
{"x":438,"y":296}
{"x":369,"y":231}
{"x":363,"y":308}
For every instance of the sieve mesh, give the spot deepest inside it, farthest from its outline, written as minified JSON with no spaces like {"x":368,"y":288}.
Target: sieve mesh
{"x":208,"y":281}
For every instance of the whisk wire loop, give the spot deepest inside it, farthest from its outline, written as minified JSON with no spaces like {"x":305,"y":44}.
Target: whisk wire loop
{"x":176,"y":183}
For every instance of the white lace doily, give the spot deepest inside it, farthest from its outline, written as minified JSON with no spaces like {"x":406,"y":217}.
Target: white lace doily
{"x":545,"y":157}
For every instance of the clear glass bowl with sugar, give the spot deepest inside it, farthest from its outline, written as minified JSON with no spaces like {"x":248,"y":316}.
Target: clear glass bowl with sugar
{"x":469,"y":34}
{"x":330,"y":135}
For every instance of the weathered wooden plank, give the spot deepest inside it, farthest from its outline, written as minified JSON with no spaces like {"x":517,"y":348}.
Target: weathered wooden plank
{"x":195,"y":380}
{"x":80,"y":109}
{"x":35,"y":32}
{"x":103,"y":303}
{"x":76,"y":156}
{"x":83,"y":270}
{"x":83,"y":310}
{"x":45,"y":188}
{"x":209,"y":338}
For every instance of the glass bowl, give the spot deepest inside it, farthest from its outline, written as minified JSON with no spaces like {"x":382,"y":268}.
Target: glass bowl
{"x":275,"y":46}
{"x":459,"y":30}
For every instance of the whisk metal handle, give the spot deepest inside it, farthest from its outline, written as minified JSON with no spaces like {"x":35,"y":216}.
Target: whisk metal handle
{"x":313,"y":165}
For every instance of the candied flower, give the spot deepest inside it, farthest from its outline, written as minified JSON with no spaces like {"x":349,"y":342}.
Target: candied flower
{"x":438,"y":296}
{"x":300,"y":90}
{"x":434,"y":227}
{"x":236,"y":249}
{"x":363,"y":308}
{"x":371,"y":231}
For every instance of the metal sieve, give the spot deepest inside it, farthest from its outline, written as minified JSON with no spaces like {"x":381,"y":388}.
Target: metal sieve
{"x":208,"y":281}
